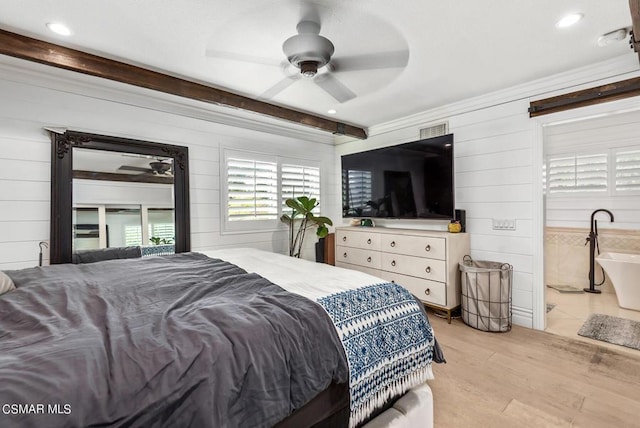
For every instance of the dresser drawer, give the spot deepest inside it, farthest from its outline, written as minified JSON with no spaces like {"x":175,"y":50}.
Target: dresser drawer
{"x":427,"y":291}
{"x":357,"y":256}
{"x":421,"y":246}
{"x":435,"y":270}
{"x":358,"y":239}
{"x":373,"y":272}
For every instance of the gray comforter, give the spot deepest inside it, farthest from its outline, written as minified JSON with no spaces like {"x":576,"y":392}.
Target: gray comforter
{"x":182,"y":340}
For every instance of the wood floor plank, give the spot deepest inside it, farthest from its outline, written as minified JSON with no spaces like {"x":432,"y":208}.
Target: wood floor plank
{"x":529,"y":378}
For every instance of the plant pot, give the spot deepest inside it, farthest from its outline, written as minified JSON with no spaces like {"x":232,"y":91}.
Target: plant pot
{"x":320,"y":250}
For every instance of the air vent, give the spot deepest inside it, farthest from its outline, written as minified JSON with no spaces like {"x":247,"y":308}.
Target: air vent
{"x":435,"y":130}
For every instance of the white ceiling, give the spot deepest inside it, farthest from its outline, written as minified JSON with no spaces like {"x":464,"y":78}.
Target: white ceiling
{"x":458,"y":48}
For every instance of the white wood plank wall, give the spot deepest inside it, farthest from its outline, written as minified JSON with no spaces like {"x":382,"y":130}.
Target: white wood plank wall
{"x":493,"y":155}
{"x":27,"y":107}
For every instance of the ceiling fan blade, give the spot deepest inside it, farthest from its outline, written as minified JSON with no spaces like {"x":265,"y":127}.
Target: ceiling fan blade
{"x":394,"y":59}
{"x":233,"y":56}
{"x":133,"y":168}
{"x":279,"y":87}
{"x":334,"y":87}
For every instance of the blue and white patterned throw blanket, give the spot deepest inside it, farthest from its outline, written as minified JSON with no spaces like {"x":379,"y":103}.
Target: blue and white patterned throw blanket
{"x":388,"y":342}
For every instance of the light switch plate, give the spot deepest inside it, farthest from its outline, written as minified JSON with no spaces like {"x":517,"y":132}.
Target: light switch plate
{"x":504,"y":224}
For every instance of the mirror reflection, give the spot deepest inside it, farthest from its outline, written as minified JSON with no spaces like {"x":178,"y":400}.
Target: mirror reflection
{"x":122,"y":200}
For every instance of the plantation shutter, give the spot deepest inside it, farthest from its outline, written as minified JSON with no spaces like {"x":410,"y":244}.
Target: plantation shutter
{"x":628,"y":171}
{"x":577,"y":174}
{"x":299,"y":180}
{"x":132,"y":235}
{"x":252,"y":190}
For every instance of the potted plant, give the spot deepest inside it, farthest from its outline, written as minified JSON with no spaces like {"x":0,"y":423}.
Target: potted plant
{"x":301,"y":219}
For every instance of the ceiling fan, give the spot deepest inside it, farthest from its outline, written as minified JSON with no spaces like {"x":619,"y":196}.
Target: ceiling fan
{"x":312,"y":54}
{"x":157,"y":167}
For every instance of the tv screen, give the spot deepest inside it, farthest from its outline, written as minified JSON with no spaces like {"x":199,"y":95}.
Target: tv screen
{"x":411,"y":180}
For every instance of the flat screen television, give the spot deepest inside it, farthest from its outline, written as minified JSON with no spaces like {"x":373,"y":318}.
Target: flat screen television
{"x":406,"y":181}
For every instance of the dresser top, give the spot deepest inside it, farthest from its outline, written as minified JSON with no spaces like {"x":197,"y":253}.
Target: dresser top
{"x":400,"y":231}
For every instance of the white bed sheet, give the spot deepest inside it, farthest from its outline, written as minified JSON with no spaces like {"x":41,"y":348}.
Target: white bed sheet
{"x":308,"y":279}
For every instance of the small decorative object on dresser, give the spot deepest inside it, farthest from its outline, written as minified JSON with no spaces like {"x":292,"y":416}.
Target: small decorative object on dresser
{"x":425,"y":262}
{"x":454,"y":226}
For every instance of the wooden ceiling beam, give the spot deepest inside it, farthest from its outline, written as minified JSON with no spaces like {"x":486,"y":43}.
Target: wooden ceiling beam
{"x":23,"y":47}
{"x":129,"y":178}
{"x":634,"y":7}
{"x":586,"y":97}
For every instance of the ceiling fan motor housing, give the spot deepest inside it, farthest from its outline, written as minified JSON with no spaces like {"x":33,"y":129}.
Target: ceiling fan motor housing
{"x":308,"y":48}
{"x":160,"y":167}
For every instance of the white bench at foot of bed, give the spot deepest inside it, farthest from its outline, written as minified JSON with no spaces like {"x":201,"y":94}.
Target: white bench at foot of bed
{"x":414,"y":409}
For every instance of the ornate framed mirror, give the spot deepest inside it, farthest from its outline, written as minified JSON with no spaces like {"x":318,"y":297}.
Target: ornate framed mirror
{"x":162,"y":167}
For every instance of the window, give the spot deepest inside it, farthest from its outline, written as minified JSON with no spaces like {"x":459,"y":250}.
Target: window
{"x":299,"y":180}
{"x":132,"y":235}
{"x":627,"y":171}
{"x":586,"y":173}
{"x":613,"y":173}
{"x":252,"y":190}
{"x":161,"y":225}
{"x":258,"y":186}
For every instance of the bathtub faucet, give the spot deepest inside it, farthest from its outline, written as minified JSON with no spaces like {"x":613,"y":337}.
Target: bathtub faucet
{"x":593,"y":242}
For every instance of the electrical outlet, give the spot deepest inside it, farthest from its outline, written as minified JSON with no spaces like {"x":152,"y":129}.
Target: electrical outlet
{"x":504,"y":224}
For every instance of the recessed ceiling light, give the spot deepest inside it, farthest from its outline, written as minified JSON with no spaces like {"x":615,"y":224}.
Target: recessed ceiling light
{"x":332,"y":111}
{"x":569,"y":20}
{"x":59,"y":28}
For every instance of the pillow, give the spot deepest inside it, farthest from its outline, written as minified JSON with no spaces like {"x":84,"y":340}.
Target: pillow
{"x":6,"y":283}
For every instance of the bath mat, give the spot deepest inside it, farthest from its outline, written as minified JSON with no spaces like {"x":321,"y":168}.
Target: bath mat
{"x":610,"y":329}
{"x":550,"y":306}
{"x":566,"y":288}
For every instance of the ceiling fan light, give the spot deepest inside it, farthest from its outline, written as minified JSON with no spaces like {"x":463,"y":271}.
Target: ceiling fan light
{"x":308,"y":68}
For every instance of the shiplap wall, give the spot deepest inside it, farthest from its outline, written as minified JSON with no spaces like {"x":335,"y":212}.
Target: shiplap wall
{"x":595,"y":135}
{"x":31,"y":103}
{"x":493,"y":152}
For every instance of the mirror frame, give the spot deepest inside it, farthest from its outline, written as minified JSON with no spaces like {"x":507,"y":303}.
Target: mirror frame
{"x":60,"y":245}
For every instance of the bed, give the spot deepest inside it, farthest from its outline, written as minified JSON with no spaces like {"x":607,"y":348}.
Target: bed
{"x":210,"y":340}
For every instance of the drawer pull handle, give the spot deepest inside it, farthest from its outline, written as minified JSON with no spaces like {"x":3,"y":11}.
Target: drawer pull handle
{"x":427,"y":248}
{"x":344,"y":255}
{"x":393,"y":243}
{"x":428,"y":269}
{"x":427,"y":291}
{"x":344,"y":238}
{"x":369,"y":241}
{"x":393,"y":263}
{"x":369,"y":259}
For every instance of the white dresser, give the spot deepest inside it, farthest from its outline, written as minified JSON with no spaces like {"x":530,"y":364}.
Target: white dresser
{"x":424,"y":262}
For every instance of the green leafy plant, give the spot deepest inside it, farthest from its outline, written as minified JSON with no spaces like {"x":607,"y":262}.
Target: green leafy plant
{"x":301,"y":219}
{"x":155,"y":240}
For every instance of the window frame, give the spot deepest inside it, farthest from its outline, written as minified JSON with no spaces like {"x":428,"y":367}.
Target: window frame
{"x":252,"y":226}
{"x":611,"y":191}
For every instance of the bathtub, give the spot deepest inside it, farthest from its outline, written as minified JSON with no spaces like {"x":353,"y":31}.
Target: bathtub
{"x":623,"y":270}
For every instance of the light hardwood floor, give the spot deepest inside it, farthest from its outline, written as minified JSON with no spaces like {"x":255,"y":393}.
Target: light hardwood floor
{"x":529,"y":378}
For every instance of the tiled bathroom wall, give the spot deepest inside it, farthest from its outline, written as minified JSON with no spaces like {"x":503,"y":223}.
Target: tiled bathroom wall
{"x":567,"y":256}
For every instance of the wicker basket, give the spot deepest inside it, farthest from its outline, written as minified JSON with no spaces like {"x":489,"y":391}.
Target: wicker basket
{"x":486,"y":294}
